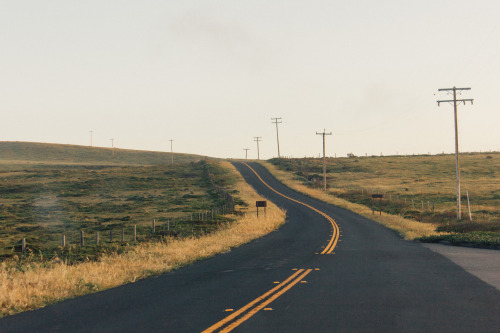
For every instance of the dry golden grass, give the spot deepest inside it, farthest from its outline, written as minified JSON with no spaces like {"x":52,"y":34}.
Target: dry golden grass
{"x":409,"y":229}
{"x":36,"y":285}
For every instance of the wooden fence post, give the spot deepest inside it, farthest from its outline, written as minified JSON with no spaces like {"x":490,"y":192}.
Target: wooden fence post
{"x":97,"y":238}
{"x":123,"y":235}
{"x":135,"y":232}
{"x":82,"y":239}
{"x":23,"y":245}
{"x":110,"y":235}
{"x":154,"y":226}
{"x":168,"y":225}
{"x":63,"y":240}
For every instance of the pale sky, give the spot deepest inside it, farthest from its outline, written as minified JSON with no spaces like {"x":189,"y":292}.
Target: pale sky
{"x":211,"y":74}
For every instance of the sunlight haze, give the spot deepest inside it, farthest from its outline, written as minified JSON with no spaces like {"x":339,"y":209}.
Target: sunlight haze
{"x":211,"y":74}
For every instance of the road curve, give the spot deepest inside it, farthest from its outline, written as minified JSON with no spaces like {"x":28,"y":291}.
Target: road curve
{"x":325,"y":270}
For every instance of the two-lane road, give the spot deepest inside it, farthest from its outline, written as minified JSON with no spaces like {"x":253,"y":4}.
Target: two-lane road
{"x":325,"y":270}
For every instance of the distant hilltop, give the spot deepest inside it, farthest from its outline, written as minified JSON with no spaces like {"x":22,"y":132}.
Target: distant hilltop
{"x":50,"y":153}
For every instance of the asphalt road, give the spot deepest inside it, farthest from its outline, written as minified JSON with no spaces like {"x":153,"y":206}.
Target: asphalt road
{"x":372,"y":281}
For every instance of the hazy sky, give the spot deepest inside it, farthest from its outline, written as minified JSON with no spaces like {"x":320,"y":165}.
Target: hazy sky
{"x":211,"y":74}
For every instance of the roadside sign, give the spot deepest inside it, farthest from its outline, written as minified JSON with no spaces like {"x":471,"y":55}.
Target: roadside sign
{"x":261,"y":204}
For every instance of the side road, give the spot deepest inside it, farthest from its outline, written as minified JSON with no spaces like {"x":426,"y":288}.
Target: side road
{"x":482,"y":263}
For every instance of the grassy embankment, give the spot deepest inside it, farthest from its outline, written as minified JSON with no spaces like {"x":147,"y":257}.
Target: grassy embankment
{"x":30,"y":281}
{"x":419,"y":192}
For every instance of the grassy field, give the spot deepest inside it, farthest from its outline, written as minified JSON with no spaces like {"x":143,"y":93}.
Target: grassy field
{"x":42,"y":205}
{"x":46,"y":191}
{"x":16,"y":154}
{"x":417,"y":188}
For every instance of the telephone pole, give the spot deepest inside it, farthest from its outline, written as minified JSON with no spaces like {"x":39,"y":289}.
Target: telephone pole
{"x":91,"y":138}
{"x":257,"y":139}
{"x":246,"y":152}
{"x":113,"y":147}
{"x":455,"y":102}
{"x":324,"y":159}
{"x":277,"y":121}
{"x":172,"y":150}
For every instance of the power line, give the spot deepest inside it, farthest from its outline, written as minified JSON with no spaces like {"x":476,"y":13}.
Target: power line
{"x":277,"y":121}
{"x":324,"y":159}
{"x":455,"y":102}
{"x":257,"y":139}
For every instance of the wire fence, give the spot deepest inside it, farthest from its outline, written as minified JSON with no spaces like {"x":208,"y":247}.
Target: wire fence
{"x":192,"y":224}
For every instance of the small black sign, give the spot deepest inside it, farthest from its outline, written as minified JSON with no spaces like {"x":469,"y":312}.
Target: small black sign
{"x":377,"y":196}
{"x":260,"y":203}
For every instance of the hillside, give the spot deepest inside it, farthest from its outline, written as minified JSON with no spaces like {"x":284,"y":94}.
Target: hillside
{"x":15,"y":153}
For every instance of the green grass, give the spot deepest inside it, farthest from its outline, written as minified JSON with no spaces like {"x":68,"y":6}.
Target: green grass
{"x":422,"y":188}
{"x":53,"y":195}
{"x":483,"y":239}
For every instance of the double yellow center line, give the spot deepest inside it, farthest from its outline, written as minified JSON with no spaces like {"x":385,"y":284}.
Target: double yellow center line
{"x":335,"y":235}
{"x":237,"y":318}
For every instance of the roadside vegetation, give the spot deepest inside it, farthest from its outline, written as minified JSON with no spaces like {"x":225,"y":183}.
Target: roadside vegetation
{"x":419,"y":198}
{"x":42,"y":203}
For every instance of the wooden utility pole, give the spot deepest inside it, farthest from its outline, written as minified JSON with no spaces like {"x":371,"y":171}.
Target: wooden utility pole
{"x":257,"y":139}
{"x":324,"y":158}
{"x":91,"y":138}
{"x":172,"y":150}
{"x":246,"y":152}
{"x":455,"y":102}
{"x":277,"y":121}
{"x":113,"y":147}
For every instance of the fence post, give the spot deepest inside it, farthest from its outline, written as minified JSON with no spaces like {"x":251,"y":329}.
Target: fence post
{"x":97,"y":238}
{"x":82,"y":239}
{"x":412,"y":204}
{"x":110,"y":235}
{"x":63,"y":240}
{"x":154,"y":226}
{"x":468,"y":206}
{"x":23,"y":245}
{"x":135,"y":232}
{"x":123,"y":235}
{"x":422,"y":204}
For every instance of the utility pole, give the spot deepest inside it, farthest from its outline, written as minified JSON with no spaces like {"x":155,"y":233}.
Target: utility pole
{"x":277,"y":121}
{"x":257,"y":139}
{"x":324,"y":158}
{"x":172,"y":150}
{"x":113,"y":147}
{"x":91,"y":138}
{"x":455,"y":102}
{"x":246,"y":152}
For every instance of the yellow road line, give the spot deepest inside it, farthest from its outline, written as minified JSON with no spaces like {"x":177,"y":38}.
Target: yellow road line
{"x":263,"y":304}
{"x":335,"y":237}
{"x":252,"y":303}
